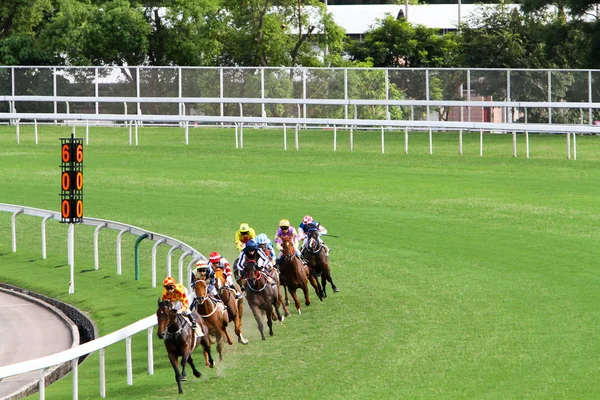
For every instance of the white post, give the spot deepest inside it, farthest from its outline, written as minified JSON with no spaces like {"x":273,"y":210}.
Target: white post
{"x":130,"y":137}
{"x":71,"y":256}
{"x":119,"y":236}
{"x":406,"y":140}
{"x":334,"y":138}
{"x":150,"y":353}
{"x":96,"y":253}
{"x":574,"y":147}
{"x":236,"y":137}
{"x":351,"y":138}
{"x":284,"y":137}
{"x":13,"y":225}
{"x":296,"y":137}
{"x":382,"y":141}
{"x":18,"y":131}
{"x":430,"y":141}
{"x":169,"y":254}
{"x":102,"y":374}
{"x":514,"y":137}
{"x":129,"y":363}
{"x":187,"y":132}
{"x":87,"y":131}
{"x":136,"y":132}
{"x":241,"y":136}
{"x":481,"y":143}
{"x":44,"y":235}
{"x":154,"y":249}
{"x":180,"y":266}
{"x":460,"y":142}
{"x":527,"y":143}
{"x":35,"y":130}
{"x":75,"y":374}
{"x":42,"y":384}
{"x":568,"y":145}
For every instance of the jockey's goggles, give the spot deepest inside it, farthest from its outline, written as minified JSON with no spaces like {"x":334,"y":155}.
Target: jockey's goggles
{"x":284,"y":228}
{"x":169,"y":287}
{"x":244,"y":232}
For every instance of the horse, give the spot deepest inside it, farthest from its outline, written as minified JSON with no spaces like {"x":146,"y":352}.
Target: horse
{"x":214,"y":314}
{"x":235,"y":307}
{"x":180,"y":340}
{"x":294,"y":274}
{"x":261,"y":295}
{"x":318,"y":261}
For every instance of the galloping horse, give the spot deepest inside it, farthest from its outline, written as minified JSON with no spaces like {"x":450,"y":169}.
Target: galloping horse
{"x":294,"y":274}
{"x":261,"y":295}
{"x":317,"y":261}
{"x":213,"y":313}
{"x":180,"y":340}
{"x":235,"y":307}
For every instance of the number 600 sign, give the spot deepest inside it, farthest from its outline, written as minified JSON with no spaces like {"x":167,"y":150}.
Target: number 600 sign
{"x":71,"y":180}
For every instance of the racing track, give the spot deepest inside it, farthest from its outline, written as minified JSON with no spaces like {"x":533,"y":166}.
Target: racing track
{"x":29,"y":329}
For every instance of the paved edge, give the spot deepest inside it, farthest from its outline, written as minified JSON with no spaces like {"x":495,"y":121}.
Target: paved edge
{"x":82,"y":328}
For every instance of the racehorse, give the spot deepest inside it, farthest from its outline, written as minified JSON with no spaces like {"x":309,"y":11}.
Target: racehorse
{"x":180,"y":340}
{"x":318,"y":261}
{"x":235,"y":307}
{"x":214,"y":314}
{"x":261,"y":295}
{"x":294,"y":274}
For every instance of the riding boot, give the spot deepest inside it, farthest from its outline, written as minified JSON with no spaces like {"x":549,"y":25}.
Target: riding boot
{"x":193,"y":321}
{"x":238,"y":295}
{"x":304,"y":261}
{"x":326,"y":249}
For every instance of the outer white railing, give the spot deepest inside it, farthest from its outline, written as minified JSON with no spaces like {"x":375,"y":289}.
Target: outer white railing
{"x":100,"y":224}
{"x":125,"y":333}
{"x":74,"y":353}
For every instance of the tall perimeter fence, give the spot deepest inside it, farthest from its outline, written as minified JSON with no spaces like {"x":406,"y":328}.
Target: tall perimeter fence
{"x":72,"y":355}
{"x":497,"y":100}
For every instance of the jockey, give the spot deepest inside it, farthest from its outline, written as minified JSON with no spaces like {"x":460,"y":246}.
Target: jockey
{"x":253,"y":252}
{"x":219,"y":262}
{"x":204,"y":272}
{"x":176,"y":292}
{"x":242,"y":236}
{"x":285,"y":231}
{"x":309,"y":223}
{"x":266,"y":246}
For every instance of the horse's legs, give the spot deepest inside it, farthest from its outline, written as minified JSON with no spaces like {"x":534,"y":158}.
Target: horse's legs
{"x":197,"y":373}
{"x":258,"y":318}
{"x":175,"y":364}
{"x":327,"y":274}
{"x":184,"y":359}
{"x":279,"y":316}
{"x":305,"y":291}
{"x":296,"y":301}
{"x":205,"y":342}
{"x":279,"y":297}
{"x":285,"y":290}
{"x":224,"y":328}
{"x":312,"y":278}
{"x":238,"y":321}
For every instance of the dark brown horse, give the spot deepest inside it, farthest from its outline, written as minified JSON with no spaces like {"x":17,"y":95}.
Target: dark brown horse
{"x":318,"y":261}
{"x":294,"y":274}
{"x":235,"y":307}
{"x":180,"y":340}
{"x":214,"y":314}
{"x":261,"y":296}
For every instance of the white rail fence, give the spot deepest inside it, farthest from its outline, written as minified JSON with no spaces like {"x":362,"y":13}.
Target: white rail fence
{"x":126,"y":333}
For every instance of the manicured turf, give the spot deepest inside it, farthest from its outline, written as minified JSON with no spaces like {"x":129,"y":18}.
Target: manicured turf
{"x":460,"y":277}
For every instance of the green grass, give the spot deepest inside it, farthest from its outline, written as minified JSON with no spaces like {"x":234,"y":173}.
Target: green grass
{"x":460,"y":277}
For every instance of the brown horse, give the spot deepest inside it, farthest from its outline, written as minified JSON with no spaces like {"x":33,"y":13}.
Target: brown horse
{"x":318,"y":261}
{"x":235,"y":307}
{"x":261,"y":296}
{"x":294,"y":274}
{"x":180,"y":340}
{"x":214,"y":314}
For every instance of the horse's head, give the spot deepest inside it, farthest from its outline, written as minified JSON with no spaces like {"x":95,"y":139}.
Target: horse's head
{"x":201,"y":290}
{"x":288,"y":248}
{"x":251,"y":271}
{"x":219,"y":278}
{"x":312,"y":240}
{"x":165,"y":315}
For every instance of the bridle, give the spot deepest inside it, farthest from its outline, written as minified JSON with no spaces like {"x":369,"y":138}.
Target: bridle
{"x":257,"y":275}
{"x":203,"y":299}
{"x":168,"y":333}
{"x":313,"y":244}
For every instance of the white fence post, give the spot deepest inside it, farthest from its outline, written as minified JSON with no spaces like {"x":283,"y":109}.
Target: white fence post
{"x":154,"y":249}
{"x":406,"y":140}
{"x":169,"y":254}
{"x":13,"y":225}
{"x":129,"y":363}
{"x":71,"y":256}
{"x":102,"y":373}
{"x":180,"y":264}
{"x":150,"y":353}
{"x":119,"y":236}
{"x":96,"y":252}
{"x":44,"y":235}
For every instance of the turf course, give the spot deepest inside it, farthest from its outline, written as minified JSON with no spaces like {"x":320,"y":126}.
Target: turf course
{"x":460,"y":277}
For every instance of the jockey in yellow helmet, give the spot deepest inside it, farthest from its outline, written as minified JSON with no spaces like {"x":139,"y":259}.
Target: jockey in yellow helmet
{"x":242,"y":236}
{"x":176,"y":292}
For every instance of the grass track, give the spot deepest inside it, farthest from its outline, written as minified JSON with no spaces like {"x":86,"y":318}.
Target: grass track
{"x":460,"y":277}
